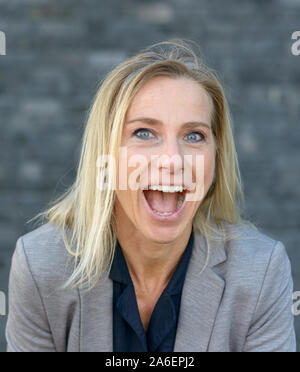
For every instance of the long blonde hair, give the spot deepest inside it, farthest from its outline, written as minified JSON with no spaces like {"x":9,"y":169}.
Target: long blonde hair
{"x":85,"y":214}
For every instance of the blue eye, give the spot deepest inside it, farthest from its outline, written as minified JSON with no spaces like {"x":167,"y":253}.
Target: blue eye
{"x":145,"y":133}
{"x":194,"y":135}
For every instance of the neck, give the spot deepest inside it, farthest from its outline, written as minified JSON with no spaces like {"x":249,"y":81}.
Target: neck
{"x":151,"y":264}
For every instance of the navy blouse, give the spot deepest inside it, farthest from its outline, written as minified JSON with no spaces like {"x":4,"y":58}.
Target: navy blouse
{"x":128,"y":332}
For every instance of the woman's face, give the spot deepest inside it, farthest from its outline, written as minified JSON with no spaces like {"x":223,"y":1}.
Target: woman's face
{"x":170,"y":120}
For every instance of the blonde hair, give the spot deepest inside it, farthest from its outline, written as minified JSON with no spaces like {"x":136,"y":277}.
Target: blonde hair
{"x":86,"y":215}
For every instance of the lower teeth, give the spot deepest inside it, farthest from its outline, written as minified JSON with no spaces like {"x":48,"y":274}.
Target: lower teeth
{"x":164,"y":213}
{"x":179,"y":204}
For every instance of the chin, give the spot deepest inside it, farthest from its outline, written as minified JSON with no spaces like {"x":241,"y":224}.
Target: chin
{"x":162,"y":234}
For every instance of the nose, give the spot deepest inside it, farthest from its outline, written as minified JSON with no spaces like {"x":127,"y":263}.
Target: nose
{"x":170,"y":155}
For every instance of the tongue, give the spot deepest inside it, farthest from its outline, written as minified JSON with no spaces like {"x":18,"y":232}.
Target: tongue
{"x":162,"y":201}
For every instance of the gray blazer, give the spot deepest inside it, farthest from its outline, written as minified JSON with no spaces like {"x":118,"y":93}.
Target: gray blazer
{"x":242,"y":302}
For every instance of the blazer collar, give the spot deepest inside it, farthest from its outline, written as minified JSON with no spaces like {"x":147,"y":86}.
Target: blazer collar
{"x":201,"y":297}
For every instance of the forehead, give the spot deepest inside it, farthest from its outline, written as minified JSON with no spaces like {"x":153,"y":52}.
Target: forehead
{"x":171,"y":99}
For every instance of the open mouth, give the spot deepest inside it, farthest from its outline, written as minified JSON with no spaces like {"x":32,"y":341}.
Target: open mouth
{"x":165,"y":203}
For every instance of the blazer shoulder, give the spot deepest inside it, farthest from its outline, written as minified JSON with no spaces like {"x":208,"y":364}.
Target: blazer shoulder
{"x":246,"y":239}
{"x":250,"y":251}
{"x":45,"y":252}
{"x":258,"y":290}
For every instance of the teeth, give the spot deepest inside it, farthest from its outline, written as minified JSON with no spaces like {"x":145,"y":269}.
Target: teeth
{"x":165,"y":188}
{"x":179,"y":204}
{"x":163,"y":214}
{"x":180,"y":201}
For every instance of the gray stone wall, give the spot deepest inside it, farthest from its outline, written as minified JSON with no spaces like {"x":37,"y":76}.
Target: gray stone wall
{"x":57,"y":52}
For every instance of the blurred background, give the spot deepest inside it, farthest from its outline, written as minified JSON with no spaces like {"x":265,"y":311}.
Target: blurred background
{"x":57,"y":52}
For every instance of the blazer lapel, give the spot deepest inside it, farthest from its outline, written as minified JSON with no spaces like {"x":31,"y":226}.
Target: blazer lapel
{"x":96,"y":318}
{"x":201,"y":297}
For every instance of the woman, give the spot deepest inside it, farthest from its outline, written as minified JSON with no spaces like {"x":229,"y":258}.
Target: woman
{"x":147,"y":251}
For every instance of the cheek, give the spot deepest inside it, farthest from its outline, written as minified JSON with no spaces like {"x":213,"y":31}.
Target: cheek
{"x":133,"y":169}
{"x":127,"y":178}
{"x":207,"y":166}
{"x":125,"y":204}
{"x":123,"y":172}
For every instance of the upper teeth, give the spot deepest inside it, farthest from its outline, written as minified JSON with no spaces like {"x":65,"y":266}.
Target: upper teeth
{"x":164,"y":188}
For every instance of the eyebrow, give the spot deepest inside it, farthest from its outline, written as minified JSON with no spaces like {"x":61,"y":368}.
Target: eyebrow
{"x":152,"y":121}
